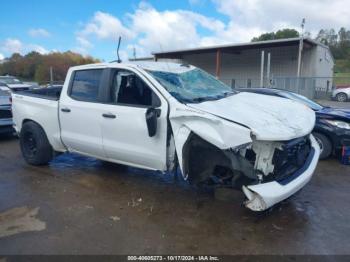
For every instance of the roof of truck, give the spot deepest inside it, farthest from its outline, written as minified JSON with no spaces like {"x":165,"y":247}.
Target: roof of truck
{"x":146,"y":65}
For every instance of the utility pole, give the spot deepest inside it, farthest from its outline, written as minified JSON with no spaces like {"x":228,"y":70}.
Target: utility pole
{"x":301,"y":42}
{"x":262,"y":69}
{"x":51,"y":75}
{"x":268,"y":69}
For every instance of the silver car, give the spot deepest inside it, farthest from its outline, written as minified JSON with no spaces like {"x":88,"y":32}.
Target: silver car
{"x":341,"y":94}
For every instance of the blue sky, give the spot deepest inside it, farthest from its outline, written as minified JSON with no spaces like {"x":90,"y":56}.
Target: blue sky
{"x":91,"y":27}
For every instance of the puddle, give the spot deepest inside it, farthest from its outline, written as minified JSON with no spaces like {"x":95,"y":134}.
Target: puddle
{"x":20,"y":219}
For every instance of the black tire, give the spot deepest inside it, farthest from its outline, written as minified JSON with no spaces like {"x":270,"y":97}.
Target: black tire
{"x":325,"y":145}
{"x":35,"y":146}
{"x":341,"y":97}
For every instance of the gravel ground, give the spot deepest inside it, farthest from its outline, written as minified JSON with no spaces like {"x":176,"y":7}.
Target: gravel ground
{"x":79,"y":205}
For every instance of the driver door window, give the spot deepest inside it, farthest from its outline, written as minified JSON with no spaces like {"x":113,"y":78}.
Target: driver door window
{"x":129,"y":89}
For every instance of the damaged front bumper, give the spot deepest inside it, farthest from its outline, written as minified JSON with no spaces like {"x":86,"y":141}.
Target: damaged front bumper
{"x":263,"y":196}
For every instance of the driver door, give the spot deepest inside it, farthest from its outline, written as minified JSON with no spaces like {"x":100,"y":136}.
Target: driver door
{"x":125,"y":133}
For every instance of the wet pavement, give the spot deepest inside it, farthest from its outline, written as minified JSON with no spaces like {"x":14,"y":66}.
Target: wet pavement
{"x":79,"y":205}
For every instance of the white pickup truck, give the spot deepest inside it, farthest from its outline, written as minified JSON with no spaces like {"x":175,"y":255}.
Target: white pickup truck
{"x":162,"y":116}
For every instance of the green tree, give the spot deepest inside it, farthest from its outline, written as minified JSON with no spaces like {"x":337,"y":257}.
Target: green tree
{"x":286,"y":33}
{"x":280,"y":34}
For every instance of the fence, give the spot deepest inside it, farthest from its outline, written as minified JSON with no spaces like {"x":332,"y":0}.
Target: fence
{"x":311,"y":87}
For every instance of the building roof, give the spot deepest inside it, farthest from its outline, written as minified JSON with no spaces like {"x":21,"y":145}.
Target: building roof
{"x":239,"y":47}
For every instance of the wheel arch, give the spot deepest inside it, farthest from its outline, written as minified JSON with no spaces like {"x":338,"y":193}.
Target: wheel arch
{"x":54,"y":140}
{"x":201,"y":159}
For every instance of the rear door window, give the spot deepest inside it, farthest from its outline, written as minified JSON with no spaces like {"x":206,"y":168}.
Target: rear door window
{"x":86,"y":85}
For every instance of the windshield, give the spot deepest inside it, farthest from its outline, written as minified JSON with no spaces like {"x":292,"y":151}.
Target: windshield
{"x":9,"y":80}
{"x":302,"y":99}
{"x":192,"y":86}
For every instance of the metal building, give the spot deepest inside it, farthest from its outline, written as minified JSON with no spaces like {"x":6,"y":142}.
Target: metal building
{"x":301,"y":65}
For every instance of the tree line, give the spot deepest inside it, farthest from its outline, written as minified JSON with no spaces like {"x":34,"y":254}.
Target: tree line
{"x":36,"y":67}
{"x":339,"y":43}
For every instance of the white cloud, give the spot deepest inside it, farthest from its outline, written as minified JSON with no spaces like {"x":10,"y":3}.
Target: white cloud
{"x":83,"y":45}
{"x":2,"y":57}
{"x":180,"y":29}
{"x":272,"y":15}
{"x":84,"y":42}
{"x":102,"y":26}
{"x":12,"y":45}
{"x":38,"y":32}
{"x":105,"y":26}
{"x":149,"y":30}
{"x":36,"y":48}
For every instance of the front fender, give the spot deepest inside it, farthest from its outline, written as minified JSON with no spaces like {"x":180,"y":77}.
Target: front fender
{"x":216,"y":131}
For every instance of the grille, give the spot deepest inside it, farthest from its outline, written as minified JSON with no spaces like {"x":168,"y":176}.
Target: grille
{"x":5,"y":114}
{"x":291,"y":157}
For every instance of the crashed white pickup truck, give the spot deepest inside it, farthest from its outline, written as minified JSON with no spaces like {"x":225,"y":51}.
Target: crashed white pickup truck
{"x":161,"y":116}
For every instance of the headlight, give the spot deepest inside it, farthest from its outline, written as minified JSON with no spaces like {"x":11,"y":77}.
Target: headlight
{"x":339,"y":124}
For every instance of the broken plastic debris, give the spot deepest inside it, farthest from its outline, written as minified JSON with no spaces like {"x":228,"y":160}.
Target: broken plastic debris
{"x":115,"y":218}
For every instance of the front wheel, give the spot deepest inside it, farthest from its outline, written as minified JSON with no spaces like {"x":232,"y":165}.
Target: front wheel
{"x":325,"y":145}
{"x":35,"y":147}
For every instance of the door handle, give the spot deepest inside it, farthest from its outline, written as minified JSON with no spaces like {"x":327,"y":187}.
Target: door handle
{"x":109,"y":116}
{"x":66,"y":110}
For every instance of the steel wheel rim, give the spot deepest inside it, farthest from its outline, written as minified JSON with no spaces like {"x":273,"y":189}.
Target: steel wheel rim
{"x":30,"y":145}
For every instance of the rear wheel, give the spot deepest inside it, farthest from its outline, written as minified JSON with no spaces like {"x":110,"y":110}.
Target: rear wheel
{"x":341,"y":97}
{"x":325,"y":145}
{"x":35,"y":146}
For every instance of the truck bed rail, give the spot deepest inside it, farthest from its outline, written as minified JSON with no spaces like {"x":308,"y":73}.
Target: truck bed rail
{"x":51,"y":93}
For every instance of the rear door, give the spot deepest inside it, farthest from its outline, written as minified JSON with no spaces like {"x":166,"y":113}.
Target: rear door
{"x":124,"y":129}
{"x":81,"y":113}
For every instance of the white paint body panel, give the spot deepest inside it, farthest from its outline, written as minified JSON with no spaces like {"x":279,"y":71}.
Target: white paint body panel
{"x":42,"y":111}
{"x":269,"y":118}
{"x":126,"y":140}
{"x":81,"y":128}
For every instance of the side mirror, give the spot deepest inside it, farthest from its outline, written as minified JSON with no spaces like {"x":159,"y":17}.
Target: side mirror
{"x":151,"y":119}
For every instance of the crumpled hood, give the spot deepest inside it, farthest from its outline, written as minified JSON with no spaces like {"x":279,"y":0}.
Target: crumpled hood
{"x":269,"y":118}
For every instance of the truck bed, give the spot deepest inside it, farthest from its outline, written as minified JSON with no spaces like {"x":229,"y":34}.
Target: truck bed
{"x":51,"y":93}
{"x":40,"y":106}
